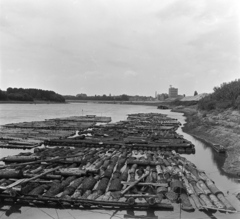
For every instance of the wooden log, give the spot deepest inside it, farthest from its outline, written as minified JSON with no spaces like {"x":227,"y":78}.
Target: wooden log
{"x":172,"y":196}
{"x":140,"y":196}
{"x":159,"y":198}
{"x":177,"y":187}
{"x":146,"y":184}
{"x":29,"y":187}
{"x":196,"y":201}
{"x":186,"y":204}
{"x":71,"y":172}
{"x":216,"y":201}
{"x":131,"y":201}
{"x":89,"y":183}
{"x":48,"y":176}
{"x":161,"y":206}
{"x":124,"y":175}
{"x":20,"y":158}
{"x":11,"y":173}
{"x":55,"y":189}
{"x":134,"y":183}
{"x":39,"y":190}
{"x":38,"y":161}
{"x":228,"y":205}
{"x":115,"y":185}
{"x":151,"y":200}
{"x":102,"y":186}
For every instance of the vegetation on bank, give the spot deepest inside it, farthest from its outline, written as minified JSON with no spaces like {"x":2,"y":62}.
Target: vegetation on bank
{"x":31,"y":94}
{"x":104,"y":97}
{"x":227,"y":95}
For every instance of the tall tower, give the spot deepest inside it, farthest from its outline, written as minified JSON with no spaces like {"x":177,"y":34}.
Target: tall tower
{"x":173,"y":92}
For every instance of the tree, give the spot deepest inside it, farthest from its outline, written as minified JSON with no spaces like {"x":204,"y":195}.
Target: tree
{"x":195,"y":93}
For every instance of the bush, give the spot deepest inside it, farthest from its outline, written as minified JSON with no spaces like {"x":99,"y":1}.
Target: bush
{"x":224,"y":104}
{"x":237,"y":102}
{"x":223,"y":97}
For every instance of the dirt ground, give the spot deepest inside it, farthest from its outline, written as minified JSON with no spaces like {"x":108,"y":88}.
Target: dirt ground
{"x":216,"y":127}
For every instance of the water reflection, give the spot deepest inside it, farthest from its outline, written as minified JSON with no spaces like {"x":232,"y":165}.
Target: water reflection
{"x":206,"y":158}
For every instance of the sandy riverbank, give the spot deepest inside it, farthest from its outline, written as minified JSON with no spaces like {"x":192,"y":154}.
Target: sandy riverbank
{"x":216,"y":127}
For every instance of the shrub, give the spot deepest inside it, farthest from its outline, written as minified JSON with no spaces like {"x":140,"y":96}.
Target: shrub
{"x":237,"y":103}
{"x":223,"y":97}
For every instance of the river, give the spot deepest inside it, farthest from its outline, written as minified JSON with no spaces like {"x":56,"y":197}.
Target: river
{"x":205,"y":158}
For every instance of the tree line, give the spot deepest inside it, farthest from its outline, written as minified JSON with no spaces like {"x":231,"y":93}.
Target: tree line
{"x":30,"y":94}
{"x":225,"y":96}
{"x":104,"y":97}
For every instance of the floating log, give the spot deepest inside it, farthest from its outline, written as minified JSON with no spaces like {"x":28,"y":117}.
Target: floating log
{"x":115,"y":185}
{"x":172,"y":196}
{"x":216,"y":201}
{"x":186,"y":204}
{"x":177,"y":187}
{"x":71,"y":172}
{"x":228,"y":205}
{"x":11,"y":173}
{"x":206,"y":200}
{"x":39,"y":190}
{"x":94,"y":171}
{"x":89,"y":183}
{"x":20,"y":158}
{"x":146,"y":184}
{"x":48,"y":176}
{"x":212,"y":187}
{"x":196,"y":201}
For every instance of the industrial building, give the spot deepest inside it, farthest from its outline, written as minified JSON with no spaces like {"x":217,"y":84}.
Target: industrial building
{"x":173,"y":92}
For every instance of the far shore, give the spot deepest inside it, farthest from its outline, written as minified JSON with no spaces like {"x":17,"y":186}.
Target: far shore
{"x":150,"y":103}
{"x":30,"y":102}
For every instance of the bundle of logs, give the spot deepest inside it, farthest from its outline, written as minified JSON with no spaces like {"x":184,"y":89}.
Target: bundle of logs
{"x":108,"y":177}
{"x":130,"y":164}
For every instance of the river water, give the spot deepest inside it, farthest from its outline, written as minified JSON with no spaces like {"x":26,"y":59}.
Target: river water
{"x":205,"y":158}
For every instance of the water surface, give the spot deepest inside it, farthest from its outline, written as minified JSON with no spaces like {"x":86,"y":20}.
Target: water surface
{"x":205,"y":158}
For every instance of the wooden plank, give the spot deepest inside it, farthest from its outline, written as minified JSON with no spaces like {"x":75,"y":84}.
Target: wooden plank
{"x":146,"y":184}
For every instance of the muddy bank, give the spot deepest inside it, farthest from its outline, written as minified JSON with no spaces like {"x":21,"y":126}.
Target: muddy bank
{"x":216,"y":127}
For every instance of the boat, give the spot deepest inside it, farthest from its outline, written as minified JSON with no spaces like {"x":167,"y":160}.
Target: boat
{"x":162,"y":107}
{"x":219,"y":148}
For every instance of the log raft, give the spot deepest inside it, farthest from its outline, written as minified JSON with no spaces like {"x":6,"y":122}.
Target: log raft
{"x":130,"y":164}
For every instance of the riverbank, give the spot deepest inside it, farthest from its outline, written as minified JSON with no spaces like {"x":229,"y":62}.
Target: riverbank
{"x":29,"y":102}
{"x":216,"y":127}
{"x":147,"y":103}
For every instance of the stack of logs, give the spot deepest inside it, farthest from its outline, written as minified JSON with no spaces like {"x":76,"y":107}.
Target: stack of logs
{"x":129,"y":164}
{"x":106,"y":177}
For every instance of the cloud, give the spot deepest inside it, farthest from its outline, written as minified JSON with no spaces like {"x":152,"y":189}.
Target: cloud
{"x":130,"y":73}
{"x":98,"y":44}
{"x":179,"y":9}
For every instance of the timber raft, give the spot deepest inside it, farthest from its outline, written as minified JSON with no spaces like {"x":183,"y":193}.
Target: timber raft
{"x":132,"y":164}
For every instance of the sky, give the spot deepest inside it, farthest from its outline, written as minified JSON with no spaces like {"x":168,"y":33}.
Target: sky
{"x":134,"y":47}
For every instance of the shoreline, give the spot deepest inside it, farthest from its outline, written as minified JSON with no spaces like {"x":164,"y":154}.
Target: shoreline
{"x":215,"y":128}
{"x":31,"y":102}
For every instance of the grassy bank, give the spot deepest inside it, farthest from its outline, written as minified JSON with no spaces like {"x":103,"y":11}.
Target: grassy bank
{"x":216,"y":127}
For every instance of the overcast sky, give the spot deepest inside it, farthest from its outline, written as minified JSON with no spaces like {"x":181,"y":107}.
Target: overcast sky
{"x":119,"y":47}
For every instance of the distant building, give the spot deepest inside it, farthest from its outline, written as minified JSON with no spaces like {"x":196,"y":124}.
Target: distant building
{"x":81,"y":95}
{"x":141,"y":98}
{"x":173,"y":92}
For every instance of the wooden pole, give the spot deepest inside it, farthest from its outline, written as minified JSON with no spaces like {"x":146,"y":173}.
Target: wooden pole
{"x":21,"y":181}
{"x":38,"y":161}
{"x":134,"y":183}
